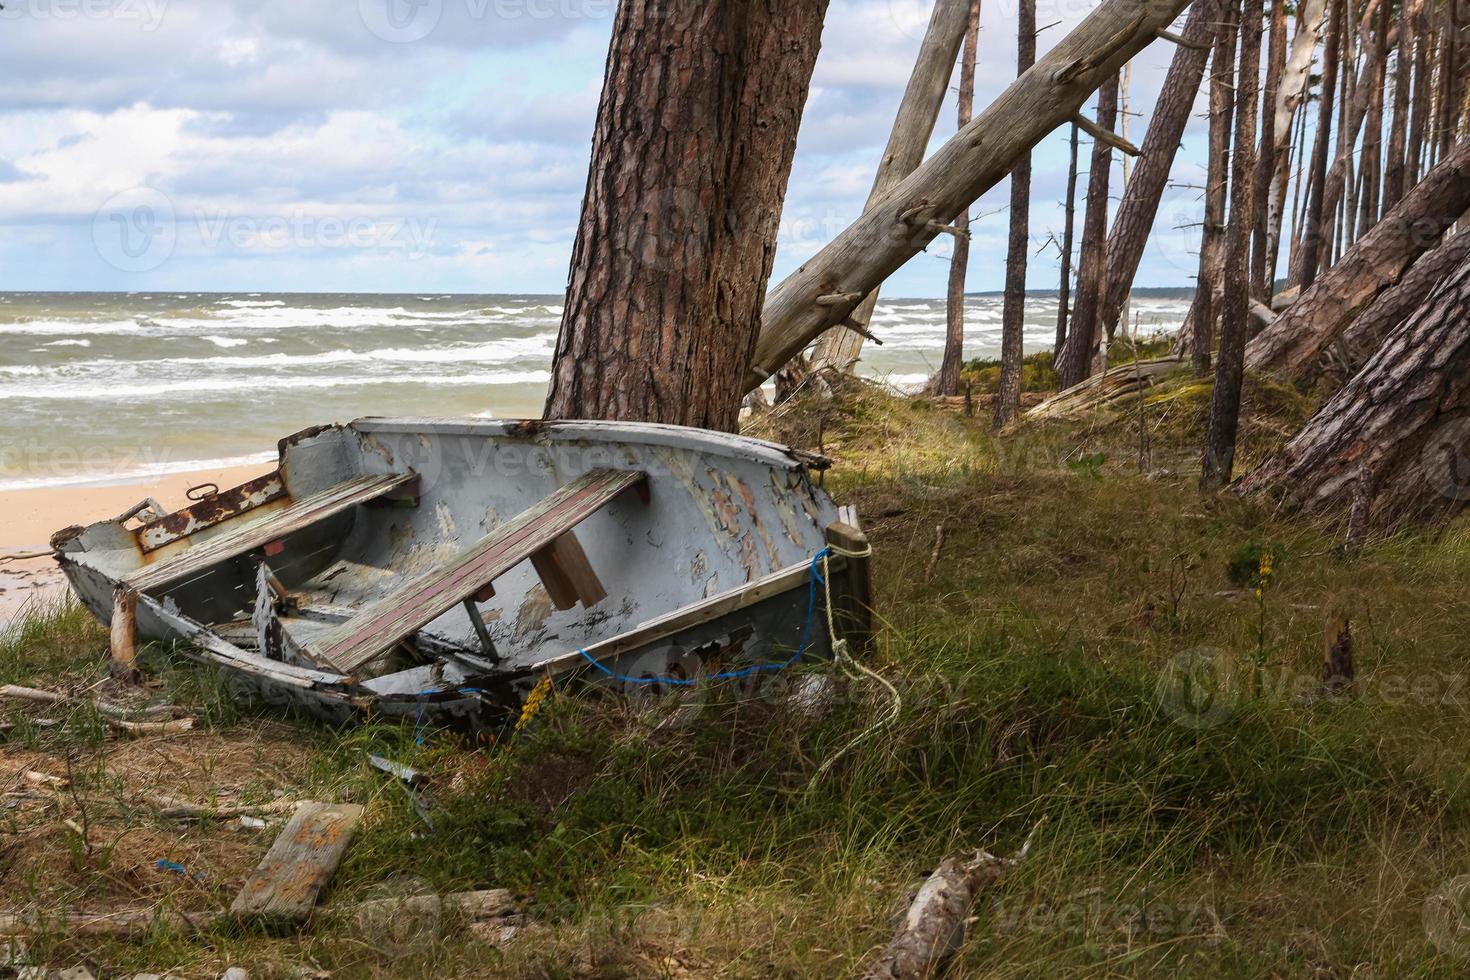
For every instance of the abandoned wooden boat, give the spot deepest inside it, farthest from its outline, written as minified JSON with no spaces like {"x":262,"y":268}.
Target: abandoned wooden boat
{"x":441,"y":568}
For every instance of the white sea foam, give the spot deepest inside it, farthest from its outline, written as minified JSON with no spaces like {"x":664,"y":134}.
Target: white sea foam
{"x":252,"y":386}
{"x":226,"y":342}
{"x":144,"y":472}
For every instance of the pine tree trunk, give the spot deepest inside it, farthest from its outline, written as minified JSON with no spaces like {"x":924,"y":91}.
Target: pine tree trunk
{"x":1313,"y":230}
{"x":1371,"y":157}
{"x":1013,"y":313}
{"x":839,"y":348}
{"x":1200,"y":337}
{"x":1140,"y":205}
{"x":693,"y":146}
{"x":1069,"y":226}
{"x":1291,"y":345}
{"x":1219,"y":455}
{"x":1291,"y":103}
{"x":959,"y":264}
{"x":1419,"y":100}
{"x":1263,"y":279}
{"x":1391,"y":444}
{"x":1395,"y":170}
{"x":1364,"y":335}
{"x":1083,"y":337}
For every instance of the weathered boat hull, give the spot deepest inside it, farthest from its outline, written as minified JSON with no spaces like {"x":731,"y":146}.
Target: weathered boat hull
{"x":284,"y":584}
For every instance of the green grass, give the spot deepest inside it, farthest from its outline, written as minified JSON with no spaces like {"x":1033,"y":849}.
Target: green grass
{"x":1274,"y":831}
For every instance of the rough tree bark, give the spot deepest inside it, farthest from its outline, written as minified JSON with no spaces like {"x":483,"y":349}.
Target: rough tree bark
{"x":826,"y":289}
{"x":1394,"y":305}
{"x":1371,"y":156}
{"x":1013,"y":311}
{"x":1219,"y":455}
{"x":1069,"y":226}
{"x":948,"y":382}
{"x":1291,"y":344}
{"x":1311,"y":244}
{"x":1084,"y":335}
{"x":1196,"y":337}
{"x":1140,"y":205}
{"x":840,"y":347}
{"x":1391,"y":446}
{"x":695,"y":136}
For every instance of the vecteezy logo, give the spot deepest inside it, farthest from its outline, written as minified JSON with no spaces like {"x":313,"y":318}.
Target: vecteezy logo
{"x":1200,"y":688}
{"x":1445,"y":459}
{"x":1446,"y":917}
{"x":135,"y":231}
{"x":400,"y":21}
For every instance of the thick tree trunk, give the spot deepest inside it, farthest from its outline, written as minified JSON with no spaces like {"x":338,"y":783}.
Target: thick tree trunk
{"x":959,"y":263}
{"x":1291,"y":344}
{"x":1362,"y":338}
{"x":839,"y":348}
{"x":1069,"y":226}
{"x":1083,"y":338}
{"x":1013,"y":312}
{"x":826,"y":289}
{"x":1391,"y":444}
{"x":1219,"y":455}
{"x":1140,"y":205}
{"x":1198,"y":336}
{"x":1312,"y":231}
{"x":693,"y":146}
{"x":1263,"y":278}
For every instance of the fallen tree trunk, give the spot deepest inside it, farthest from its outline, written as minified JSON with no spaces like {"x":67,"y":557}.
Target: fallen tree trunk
{"x":1103,"y":389}
{"x":1393,"y":306}
{"x":839,"y":347}
{"x":1377,"y":261}
{"x":829,"y":286}
{"x":1390,"y":446}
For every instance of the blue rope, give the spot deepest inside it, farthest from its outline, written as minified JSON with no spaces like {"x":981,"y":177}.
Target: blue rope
{"x":806,"y":632}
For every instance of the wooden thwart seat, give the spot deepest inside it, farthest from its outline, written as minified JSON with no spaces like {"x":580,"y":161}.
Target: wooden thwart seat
{"x":259,"y":533}
{"x":542,"y":533}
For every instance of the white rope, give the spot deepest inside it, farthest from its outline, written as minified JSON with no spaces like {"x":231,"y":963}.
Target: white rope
{"x":854,"y":670}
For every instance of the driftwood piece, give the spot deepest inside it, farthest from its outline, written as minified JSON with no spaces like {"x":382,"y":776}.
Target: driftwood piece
{"x":123,"y":646}
{"x":1337,"y":653}
{"x":284,"y":888}
{"x":934,"y":927}
{"x":974,"y":160}
{"x":1103,"y":389}
{"x":116,"y":717}
{"x":173,"y":809}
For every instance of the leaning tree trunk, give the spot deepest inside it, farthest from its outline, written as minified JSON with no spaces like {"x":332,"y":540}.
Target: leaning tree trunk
{"x":1366,"y":334}
{"x":1069,"y":226}
{"x":1219,"y":455}
{"x":693,"y":146}
{"x":1013,"y":311}
{"x":829,"y":285}
{"x":1134,"y":221}
{"x":840,"y":347}
{"x":1263,"y":277}
{"x":1391,"y":446}
{"x":1197,"y":336}
{"x":948,"y":382}
{"x":1291,"y":344}
{"x":1083,"y":338}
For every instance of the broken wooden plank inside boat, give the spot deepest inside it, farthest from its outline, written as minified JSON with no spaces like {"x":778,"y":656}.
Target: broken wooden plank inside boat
{"x":439,"y":568}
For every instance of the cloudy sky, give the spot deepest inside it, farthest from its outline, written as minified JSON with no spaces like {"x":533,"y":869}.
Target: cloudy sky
{"x":429,"y":145}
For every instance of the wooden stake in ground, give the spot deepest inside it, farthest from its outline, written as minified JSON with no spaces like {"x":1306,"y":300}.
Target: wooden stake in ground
{"x":694,"y":140}
{"x":828,"y":286}
{"x":959,"y":263}
{"x":1013,"y":310}
{"x":1219,"y":454}
{"x":1076,"y":361}
{"x":838,"y":348}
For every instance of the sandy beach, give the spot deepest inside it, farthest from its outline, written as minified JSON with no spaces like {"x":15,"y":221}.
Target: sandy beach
{"x":32,"y":516}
